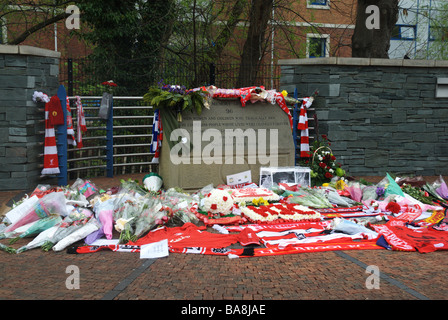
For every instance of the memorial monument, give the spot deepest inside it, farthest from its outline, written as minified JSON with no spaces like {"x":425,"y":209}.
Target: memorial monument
{"x":224,"y":140}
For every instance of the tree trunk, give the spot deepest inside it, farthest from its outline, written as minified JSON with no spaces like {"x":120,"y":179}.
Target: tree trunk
{"x":372,"y":42}
{"x":260,"y":14}
{"x":225,"y":34}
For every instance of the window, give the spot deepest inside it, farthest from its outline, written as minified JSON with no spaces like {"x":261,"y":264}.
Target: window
{"x":438,"y":33}
{"x":404,"y":32}
{"x":318,"y":46}
{"x":318,"y":4}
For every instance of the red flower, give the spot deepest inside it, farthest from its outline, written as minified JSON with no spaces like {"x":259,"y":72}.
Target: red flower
{"x":393,"y":207}
{"x":333,"y":158}
{"x":328,"y":175}
{"x":214,"y":206}
{"x":322,"y":165}
{"x":110,"y":83}
{"x":224,"y":198}
{"x":324,"y":136}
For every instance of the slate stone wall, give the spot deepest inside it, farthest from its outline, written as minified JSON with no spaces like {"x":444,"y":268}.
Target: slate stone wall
{"x":381,"y":115}
{"x":23,"y":70}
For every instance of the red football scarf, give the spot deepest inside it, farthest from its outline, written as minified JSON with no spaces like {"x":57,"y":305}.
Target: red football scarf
{"x":53,"y":116}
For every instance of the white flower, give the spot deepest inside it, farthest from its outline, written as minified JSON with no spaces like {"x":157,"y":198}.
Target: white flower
{"x":218,"y":201}
{"x":120,"y":224}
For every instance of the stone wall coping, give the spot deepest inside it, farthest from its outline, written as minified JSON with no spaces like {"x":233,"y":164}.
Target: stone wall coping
{"x":342,"y":61}
{"x":28,"y":50}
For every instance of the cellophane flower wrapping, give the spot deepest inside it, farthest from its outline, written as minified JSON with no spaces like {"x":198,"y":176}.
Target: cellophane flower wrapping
{"x":355,"y":190}
{"x":333,"y":197}
{"x":104,"y":213}
{"x":72,"y":222}
{"x":39,"y":240}
{"x":127,"y":207}
{"x":39,"y":226}
{"x":89,"y":227}
{"x":306,"y":197}
{"x":441,"y":188}
{"x":85,"y":187}
{"x":370,"y":193}
{"x":16,"y":232}
{"x":52,"y":203}
{"x":181,"y":207}
{"x":151,"y":213}
{"x":132,"y":187}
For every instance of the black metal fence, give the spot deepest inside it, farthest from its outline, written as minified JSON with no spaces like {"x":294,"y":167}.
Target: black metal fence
{"x":79,"y":77}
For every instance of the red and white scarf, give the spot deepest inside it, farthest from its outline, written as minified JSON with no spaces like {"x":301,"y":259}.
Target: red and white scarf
{"x":51,"y":162}
{"x":70,"y":132}
{"x":303,"y":127}
{"x":81,"y":122}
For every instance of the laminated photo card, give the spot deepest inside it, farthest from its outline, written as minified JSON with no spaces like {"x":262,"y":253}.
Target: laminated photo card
{"x":270,"y":176}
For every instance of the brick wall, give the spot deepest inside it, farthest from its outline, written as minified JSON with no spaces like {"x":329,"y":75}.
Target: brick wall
{"x":24,"y":69}
{"x":381,"y":115}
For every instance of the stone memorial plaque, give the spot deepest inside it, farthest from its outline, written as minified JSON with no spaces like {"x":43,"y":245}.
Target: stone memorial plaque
{"x":226,"y":139}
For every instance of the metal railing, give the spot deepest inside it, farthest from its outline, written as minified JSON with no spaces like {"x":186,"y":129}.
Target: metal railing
{"x":119,"y":144}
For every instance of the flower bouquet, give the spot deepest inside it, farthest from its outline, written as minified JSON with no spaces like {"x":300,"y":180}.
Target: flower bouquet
{"x":131,"y":187}
{"x":72,"y":222}
{"x":182,"y":208}
{"x":126,"y":210}
{"x":52,"y":203}
{"x":152,"y":213}
{"x":38,"y":227}
{"x":39,"y":240}
{"x":85,"y":187}
{"x":16,"y":232}
{"x":89,"y":227}
{"x":323,"y":163}
{"x":307,"y":197}
{"x":104,"y":213}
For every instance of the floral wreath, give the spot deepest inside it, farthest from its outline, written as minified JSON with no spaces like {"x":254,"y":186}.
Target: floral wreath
{"x":218,"y":202}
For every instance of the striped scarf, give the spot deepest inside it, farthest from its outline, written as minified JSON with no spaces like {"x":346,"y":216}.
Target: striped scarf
{"x":51,"y":162}
{"x":303,"y":127}
{"x":157,"y":136}
{"x":70,"y":132}
{"x":81,"y":122}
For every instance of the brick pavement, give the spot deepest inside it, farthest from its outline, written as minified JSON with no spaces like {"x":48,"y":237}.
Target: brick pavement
{"x":337,"y":275}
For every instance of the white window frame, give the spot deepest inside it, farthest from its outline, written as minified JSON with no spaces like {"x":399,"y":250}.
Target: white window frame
{"x":318,"y":35}
{"x":317,"y":6}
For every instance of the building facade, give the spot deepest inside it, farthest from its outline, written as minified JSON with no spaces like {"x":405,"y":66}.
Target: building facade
{"x":420,"y":30}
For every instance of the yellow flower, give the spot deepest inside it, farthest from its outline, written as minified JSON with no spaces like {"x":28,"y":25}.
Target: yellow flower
{"x":340,"y":185}
{"x":285,"y":93}
{"x":260,"y":201}
{"x":325,"y":184}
